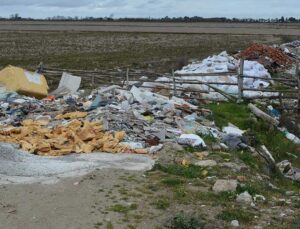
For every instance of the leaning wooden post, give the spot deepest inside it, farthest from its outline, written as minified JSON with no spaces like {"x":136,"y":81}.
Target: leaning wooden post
{"x":280,"y":101}
{"x":40,"y":68}
{"x":298,"y":77}
{"x":113,"y":79}
{"x":93,"y":82}
{"x":174,"y":84}
{"x":127,"y":78}
{"x":240,"y":81}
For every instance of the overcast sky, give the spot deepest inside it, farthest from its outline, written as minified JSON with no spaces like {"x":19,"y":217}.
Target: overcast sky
{"x":152,"y":8}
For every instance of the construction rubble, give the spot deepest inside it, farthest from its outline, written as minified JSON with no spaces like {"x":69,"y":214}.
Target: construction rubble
{"x":227,"y":83}
{"x":110,"y":119}
{"x":130,"y":119}
{"x":271,"y":58}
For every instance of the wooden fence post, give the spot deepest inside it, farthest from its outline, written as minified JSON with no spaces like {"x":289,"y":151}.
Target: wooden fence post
{"x":127,"y":78}
{"x":298,"y":78}
{"x":174,"y":84}
{"x":40,"y":68}
{"x":112,"y":79}
{"x":240,"y":81}
{"x":280,"y":101}
{"x":93,"y":82}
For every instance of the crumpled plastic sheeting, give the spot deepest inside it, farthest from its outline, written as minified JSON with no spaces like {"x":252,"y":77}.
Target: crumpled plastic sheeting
{"x":17,"y":166}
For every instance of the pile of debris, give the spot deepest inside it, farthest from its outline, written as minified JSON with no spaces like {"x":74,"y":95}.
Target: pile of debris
{"x":109,"y":119}
{"x":222,"y":63}
{"x":271,"y":58}
{"x":293,"y":44}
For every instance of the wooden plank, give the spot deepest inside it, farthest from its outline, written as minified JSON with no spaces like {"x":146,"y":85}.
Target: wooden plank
{"x":226,"y":95}
{"x":298,"y":77}
{"x":241,"y":81}
{"x":259,"y":113}
{"x":206,"y":74}
{"x":270,"y":90}
{"x":270,"y":79}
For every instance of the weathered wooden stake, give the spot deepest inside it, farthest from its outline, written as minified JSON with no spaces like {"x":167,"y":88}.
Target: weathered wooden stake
{"x":127,"y":78}
{"x":280,"y":101}
{"x":240,"y":81}
{"x":40,"y":68}
{"x":174,"y":84}
{"x":298,"y":77}
{"x":93,"y":82}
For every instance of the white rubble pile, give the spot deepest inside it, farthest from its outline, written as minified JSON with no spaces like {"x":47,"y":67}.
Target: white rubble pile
{"x":218,"y":64}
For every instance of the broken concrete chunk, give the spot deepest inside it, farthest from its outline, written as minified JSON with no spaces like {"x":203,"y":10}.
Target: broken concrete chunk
{"x":244,"y":198}
{"x":225,"y":186}
{"x":191,"y":139}
{"x":206,"y":163}
{"x":289,"y":171}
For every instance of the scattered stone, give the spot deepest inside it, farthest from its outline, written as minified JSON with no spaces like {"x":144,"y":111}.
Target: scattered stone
{"x":289,"y":193}
{"x":233,"y":166}
{"x":224,"y":146}
{"x":241,"y":178}
{"x":273,"y":186}
{"x":206,"y":163}
{"x":259,"y":198}
{"x":204,"y":173}
{"x":216,"y":147}
{"x":244,"y":198}
{"x":282,"y":215}
{"x":225,"y":186}
{"x":201,"y":155}
{"x":235,"y":223}
{"x":12,"y":211}
{"x":258,"y":227}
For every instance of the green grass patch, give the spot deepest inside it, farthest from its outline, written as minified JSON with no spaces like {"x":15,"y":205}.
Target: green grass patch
{"x":297,"y":205}
{"x":208,"y":139}
{"x":236,"y":214}
{"x":184,"y":221}
{"x":250,"y":188}
{"x":219,"y":198}
{"x":190,"y":149}
{"x":109,"y":225}
{"x":122,"y":208}
{"x":171,"y":182}
{"x":248,"y":159}
{"x":239,"y":115}
{"x":297,"y":223}
{"x":191,"y":171}
{"x":162,"y":203}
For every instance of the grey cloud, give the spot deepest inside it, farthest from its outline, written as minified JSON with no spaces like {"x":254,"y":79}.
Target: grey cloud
{"x":152,"y":8}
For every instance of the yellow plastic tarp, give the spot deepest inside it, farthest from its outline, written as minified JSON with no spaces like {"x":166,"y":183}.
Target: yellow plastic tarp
{"x":24,"y":82}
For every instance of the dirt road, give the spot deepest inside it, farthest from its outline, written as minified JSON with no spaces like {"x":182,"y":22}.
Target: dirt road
{"x":155,"y":27}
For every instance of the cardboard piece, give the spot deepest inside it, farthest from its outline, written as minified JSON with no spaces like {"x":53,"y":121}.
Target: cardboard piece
{"x":24,"y":82}
{"x":70,"y":82}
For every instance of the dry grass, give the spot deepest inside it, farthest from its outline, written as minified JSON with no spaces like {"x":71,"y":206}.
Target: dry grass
{"x":89,"y":50}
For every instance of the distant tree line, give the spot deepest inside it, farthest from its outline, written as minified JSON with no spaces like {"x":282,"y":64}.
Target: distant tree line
{"x":16,"y":17}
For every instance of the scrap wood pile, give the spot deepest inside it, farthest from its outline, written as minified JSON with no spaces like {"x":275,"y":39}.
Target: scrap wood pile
{"x":271,"y":58}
